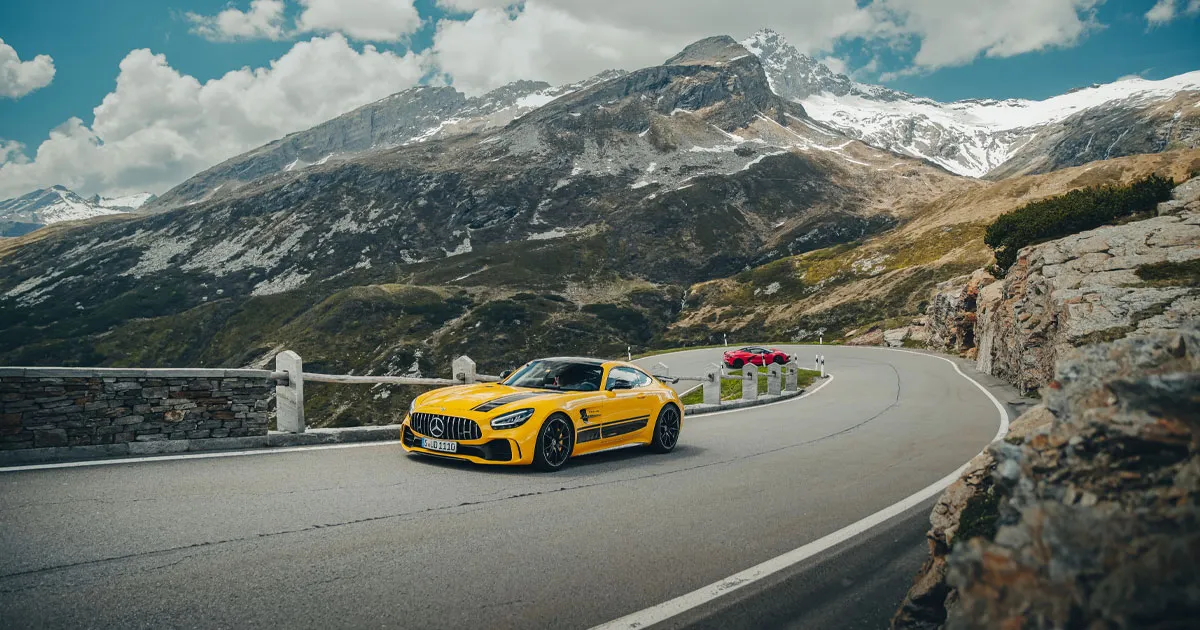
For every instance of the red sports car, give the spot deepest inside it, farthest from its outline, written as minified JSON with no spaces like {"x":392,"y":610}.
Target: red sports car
{"x":754,"y":355}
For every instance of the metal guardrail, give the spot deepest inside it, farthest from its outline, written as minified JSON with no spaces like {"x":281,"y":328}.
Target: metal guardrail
{"x":393,"y":380}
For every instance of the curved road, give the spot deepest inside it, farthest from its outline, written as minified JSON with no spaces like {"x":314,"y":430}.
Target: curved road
{"x":366,"y":536}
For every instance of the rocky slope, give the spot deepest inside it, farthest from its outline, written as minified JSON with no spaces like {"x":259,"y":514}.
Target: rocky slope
{"x":57,"y":204}
{"x":982,"y":137}
{"x":1088,"y":513}
{"x":415,"y":115}
{"x":885,"y":282}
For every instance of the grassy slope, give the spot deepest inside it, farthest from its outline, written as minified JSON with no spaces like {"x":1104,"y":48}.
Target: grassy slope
{"x":886,"y":279}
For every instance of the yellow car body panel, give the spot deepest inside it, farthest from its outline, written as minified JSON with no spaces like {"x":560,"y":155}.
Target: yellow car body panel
{"x":601,"y":419}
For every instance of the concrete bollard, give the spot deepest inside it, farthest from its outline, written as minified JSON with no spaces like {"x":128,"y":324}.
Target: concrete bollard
{"x":750,"y":382}
{"x":289,"y":399}
{"x":793,"y":376}
{"x":775,"y":379}
{"x":712,"y":387}
{"x":463,"y":369}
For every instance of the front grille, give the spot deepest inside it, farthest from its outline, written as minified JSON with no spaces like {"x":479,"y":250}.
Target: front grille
{"x":449,"y":427}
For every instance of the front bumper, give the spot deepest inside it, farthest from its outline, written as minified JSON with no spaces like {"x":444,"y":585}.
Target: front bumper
{"x":511,"y":450}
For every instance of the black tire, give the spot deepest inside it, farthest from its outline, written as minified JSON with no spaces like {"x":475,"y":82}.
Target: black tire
{"x":556,"y":440}
{"x":737,"y":364}
{"x":780,"y":360}
{"x":666,"y":430}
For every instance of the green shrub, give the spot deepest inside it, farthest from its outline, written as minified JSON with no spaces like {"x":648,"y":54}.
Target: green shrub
{"x":1074,"y":212}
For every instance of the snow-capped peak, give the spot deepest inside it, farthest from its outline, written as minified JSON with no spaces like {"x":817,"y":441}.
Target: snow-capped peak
{"x":58,"y":203}
{"x":969,"y":137}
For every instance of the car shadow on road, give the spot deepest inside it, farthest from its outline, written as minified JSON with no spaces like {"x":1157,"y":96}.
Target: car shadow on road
{"x":629,"y":458}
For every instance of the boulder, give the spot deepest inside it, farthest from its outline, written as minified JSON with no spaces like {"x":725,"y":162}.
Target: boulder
{"x":951,"y":312}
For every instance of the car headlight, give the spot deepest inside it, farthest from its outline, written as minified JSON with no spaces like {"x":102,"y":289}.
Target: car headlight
{"x":512,"y":419}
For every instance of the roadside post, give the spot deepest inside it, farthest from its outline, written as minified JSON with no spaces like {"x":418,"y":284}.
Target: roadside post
{"x":463,"y":369}
{"x":750,"y":382}
{"x":629,"y":352}
{"x":775,"y":379}
{"x":822,"y":366}
{"x":712,"y":386}
{"x":792,"y":376}
{"x":289,"y":398}
{"x":817,"y":362}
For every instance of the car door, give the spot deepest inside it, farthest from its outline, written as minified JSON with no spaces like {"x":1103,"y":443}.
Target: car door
{"x":629,"y":407}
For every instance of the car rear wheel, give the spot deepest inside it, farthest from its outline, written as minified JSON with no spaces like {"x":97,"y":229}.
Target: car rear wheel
{"x":554,"y":444}
{"x":737,"y":364}
{"x":666,"y":430}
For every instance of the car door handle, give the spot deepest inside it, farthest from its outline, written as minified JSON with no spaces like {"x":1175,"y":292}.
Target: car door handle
{"x":641,"y":395}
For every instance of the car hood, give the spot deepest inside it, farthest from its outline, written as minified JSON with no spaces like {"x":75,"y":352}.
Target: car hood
{"x":480,"y":398}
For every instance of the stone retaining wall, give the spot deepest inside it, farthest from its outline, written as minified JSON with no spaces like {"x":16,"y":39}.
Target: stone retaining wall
{"x":79,"y":407}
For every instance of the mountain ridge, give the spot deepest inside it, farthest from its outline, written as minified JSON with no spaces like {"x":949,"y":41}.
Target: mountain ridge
{"x":982,"y":137}
{"x":58,"y":204}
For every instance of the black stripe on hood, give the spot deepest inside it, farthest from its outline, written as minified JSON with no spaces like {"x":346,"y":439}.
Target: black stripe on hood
{"x":511,"y":398}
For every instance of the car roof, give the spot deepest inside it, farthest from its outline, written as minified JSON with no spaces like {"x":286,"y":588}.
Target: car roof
{"x":583,"y":360}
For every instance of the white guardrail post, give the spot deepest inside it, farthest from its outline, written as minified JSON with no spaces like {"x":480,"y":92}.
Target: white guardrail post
{"x":289,"y":398}
{"x":463,"y":369}
{"x":775,"y":379}
{"x":750,"y":382}
{"x":712,"y":385}
{"x":793,"y":374}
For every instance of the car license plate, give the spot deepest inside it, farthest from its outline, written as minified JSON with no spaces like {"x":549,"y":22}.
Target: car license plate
{"x":445,"y":446}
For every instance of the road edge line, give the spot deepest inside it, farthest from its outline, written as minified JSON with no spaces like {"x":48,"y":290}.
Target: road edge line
{"x":266,"y":450}
{"x":688,"y":601}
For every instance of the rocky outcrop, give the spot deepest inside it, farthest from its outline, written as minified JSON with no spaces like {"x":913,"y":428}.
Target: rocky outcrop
{"x":1100,"y":520}
{"x":1088,"y":287}
{"x":1088,"y":513}
{"x":951,"y":312}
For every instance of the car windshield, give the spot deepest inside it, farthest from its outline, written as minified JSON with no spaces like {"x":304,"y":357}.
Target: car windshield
{"x":559,"y":375}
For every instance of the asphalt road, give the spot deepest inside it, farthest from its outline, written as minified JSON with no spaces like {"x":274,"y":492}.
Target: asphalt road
{"x":367,"y":536}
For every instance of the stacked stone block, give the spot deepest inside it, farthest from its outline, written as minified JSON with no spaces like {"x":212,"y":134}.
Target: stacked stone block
{"x":79,"y":407}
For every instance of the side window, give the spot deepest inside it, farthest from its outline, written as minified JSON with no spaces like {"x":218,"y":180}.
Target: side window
{"x":626,"y":378}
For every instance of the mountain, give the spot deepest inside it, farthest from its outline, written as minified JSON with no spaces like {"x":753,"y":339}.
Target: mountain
{"x":576,"y":227}
{"x":57,"y":204}
{"x":415,"y":115}
{"x":994,"y":138}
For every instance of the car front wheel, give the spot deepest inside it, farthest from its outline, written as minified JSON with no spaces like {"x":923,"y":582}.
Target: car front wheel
{"x":555,"y":442}
{"x":780,"y":359}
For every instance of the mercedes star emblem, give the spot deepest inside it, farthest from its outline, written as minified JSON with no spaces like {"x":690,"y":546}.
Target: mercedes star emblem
{"x":437,"y":426}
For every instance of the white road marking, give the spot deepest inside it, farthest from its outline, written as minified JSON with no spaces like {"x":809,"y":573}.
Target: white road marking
{"x":705,"y":594}
{"x":212,"y":455}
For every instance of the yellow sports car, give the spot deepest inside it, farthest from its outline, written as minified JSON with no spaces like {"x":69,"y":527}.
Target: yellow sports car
{"x":545,"y":412}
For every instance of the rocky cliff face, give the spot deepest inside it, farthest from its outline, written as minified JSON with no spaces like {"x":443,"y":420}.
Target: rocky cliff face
{"x":1093,"y":286}
{"x":1091,"y":505}
{"x":951,"y":314}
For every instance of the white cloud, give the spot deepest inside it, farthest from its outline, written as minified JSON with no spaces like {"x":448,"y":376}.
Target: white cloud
{"x":18,"y":78}
{"x":1165,"y":11}
{"x":159,"y":126}
{"x":956,"y":32}
{"x":566,"y":40}
{"x":837,"y":65}
{"x":264,"y":20}
{"x":365,"y":20}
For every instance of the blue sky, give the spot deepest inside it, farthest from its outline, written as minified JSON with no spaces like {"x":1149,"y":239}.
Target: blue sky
{"x":912,"y":43}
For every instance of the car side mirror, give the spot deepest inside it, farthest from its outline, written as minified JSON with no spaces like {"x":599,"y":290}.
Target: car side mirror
{"x":505,"y":374}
